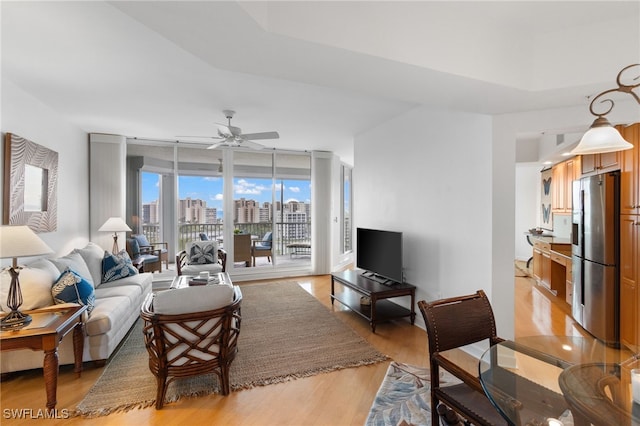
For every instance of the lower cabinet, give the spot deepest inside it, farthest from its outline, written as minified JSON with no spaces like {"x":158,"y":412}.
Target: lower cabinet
{"x":629,"y":279}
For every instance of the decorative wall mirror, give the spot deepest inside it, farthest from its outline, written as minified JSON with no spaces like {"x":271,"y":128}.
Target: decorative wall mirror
{"x":30,"y":184}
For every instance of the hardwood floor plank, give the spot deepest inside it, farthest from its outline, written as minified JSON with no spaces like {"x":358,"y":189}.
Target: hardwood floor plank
{"x":338,"y":398}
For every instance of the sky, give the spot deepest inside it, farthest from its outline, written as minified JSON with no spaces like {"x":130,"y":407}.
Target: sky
{"x":209,"y":189}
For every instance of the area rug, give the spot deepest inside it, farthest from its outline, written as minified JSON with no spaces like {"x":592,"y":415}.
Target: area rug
{"x":286,"y":334}
{"x":403,"y":398}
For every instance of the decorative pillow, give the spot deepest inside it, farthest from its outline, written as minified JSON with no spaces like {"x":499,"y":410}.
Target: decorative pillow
{"x":117,"y":266}
{"x":35,"y":286}
{"x":92,"y":255}
{"x":76,"y":263}
{"x":141,"y":239}
{"x":202,"y":252}
{"x":73,"y":288}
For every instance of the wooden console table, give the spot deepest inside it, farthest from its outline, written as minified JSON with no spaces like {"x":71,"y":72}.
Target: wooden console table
{"x":380,"y":310}
{"x":45,"y":333}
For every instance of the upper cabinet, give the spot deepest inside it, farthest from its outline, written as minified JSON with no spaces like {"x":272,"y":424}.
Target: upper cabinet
{"x":562,"y":177}
{"x":629,"y":166}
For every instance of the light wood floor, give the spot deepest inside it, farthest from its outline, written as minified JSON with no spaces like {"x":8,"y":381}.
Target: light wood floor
{"x":338,"y":398}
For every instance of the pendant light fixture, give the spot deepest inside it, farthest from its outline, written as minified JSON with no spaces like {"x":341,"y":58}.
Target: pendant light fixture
{"x":602,"y":136}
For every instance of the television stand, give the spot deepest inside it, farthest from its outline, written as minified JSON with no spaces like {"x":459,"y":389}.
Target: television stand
{"x":355,"y":284}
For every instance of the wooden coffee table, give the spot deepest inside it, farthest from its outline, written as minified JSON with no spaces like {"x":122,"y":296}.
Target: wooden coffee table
{"x":44,"y":334}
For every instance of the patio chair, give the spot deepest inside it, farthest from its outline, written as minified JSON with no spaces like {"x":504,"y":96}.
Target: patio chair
{"x":262,"y":247}
{"x":242,"y":248}
{"x":191,"y":331}
{"x":453,"y":323}
{"x":144,"y":244}
{"x":150,"y":257}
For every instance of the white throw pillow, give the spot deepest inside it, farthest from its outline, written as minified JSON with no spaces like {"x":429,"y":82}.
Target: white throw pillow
{"x":192,"y":299}
{"x":76,"y":263}
{"x":202,"y":252}
{"x":35,"y":285}
{"x":92,"y":255}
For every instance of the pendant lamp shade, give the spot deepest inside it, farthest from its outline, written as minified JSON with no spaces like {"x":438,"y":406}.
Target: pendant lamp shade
{"x":601,"y":139}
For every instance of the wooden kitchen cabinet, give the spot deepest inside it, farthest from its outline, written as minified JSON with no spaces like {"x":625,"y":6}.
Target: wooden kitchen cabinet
{"x":629,"y":280}
{"x":552,"y":264}
{"x":562,"y":176}
{"x":629,"y":175}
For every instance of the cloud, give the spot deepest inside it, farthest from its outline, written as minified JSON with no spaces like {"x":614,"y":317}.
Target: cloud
{"x":218,"y":197}
{"x":244,"y":187}
{"x":291,"y":200}
{"x":294,"y":189}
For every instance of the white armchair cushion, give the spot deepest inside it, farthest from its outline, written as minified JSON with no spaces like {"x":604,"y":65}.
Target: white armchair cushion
{"x":211,"y":268}
{"x":192,"y":299}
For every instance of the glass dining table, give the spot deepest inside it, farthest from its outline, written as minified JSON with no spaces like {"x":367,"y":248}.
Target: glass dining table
{"x":555,"y":380}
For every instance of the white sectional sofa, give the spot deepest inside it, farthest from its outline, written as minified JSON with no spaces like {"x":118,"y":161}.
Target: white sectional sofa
{"x":117,"y":306}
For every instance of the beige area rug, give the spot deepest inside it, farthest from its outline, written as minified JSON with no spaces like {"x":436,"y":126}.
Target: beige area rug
{"x":286,"y":334}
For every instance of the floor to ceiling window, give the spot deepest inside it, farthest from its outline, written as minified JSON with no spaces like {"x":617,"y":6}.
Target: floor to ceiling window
{"x":200,"y":199}
{"x":185,"y":192}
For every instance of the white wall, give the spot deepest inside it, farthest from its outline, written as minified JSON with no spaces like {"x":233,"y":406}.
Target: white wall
{"x":28,"y":117}
{"x":527,"y":202}
{"x":428,"y":174}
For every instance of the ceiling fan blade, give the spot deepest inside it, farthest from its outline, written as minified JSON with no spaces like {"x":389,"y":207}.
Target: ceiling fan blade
{"x":193,"y":136}
{"x":262,"y":135}
{"x":215,"y":145}
{"x":250,"y":144}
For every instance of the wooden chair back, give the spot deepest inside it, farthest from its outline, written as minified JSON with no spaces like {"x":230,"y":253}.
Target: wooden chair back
{"x":452,"y":323}
{"x":191,"y":344}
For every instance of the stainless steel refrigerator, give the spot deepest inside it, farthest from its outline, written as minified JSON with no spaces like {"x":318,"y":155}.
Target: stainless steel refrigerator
{"x":596,"y":253}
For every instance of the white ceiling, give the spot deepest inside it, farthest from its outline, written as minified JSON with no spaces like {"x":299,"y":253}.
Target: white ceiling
{"x":318,"y":72}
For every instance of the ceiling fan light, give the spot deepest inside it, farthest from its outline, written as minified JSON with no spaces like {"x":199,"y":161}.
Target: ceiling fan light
{"x":601,"y":138}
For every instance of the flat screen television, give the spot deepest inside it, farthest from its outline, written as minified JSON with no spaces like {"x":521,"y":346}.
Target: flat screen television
{"x":379,"y":253}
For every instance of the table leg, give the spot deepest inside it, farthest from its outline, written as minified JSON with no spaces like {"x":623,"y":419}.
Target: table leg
{"x":50,"y":371}
{"x":373,"y":299}
{"x":413,"y":311}
{"x":78,"y":347}
{"x":332,"y":290}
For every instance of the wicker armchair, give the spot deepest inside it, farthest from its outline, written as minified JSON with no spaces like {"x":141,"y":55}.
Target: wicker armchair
{"x":183,"y":344}
{"x":453,"y":323}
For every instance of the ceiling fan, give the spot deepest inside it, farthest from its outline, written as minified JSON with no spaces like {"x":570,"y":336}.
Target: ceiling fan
{"x":232,"y":136}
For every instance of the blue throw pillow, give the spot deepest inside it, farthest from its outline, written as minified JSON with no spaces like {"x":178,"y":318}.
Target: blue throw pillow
{"x":72,"y":288}
{"x":117,"y":266}
{"x":142,"y":240}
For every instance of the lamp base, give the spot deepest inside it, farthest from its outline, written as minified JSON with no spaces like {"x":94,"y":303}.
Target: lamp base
{"x":15,"y":320}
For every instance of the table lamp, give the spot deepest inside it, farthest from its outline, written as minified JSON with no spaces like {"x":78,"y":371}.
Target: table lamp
{"x":18,"y":241}
{"x":115,"y":225}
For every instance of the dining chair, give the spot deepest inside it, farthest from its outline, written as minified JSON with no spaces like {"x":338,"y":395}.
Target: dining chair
{"x":452,"y":323}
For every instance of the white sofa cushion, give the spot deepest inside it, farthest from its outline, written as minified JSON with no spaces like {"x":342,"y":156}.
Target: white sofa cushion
{"x":76,"y":263}
{"x":192,"y":299}
{"x":92,"y":255}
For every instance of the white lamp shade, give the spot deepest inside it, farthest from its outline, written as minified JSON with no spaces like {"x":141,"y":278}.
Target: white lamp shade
{"x":599,"y":140}
{"x":21,"y":241}
{"x":115,"y":224}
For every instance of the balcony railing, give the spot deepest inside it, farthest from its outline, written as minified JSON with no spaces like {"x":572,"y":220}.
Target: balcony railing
{"x":287,"y":233}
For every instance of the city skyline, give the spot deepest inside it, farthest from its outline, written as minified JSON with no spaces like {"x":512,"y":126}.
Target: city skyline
{"x":209,"y":189}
